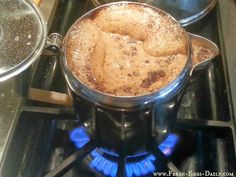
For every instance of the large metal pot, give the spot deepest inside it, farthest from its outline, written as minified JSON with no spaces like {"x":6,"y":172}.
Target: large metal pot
{"x":112,"y":120}
{"x":130,"y":102}
{"x":131,"y":120}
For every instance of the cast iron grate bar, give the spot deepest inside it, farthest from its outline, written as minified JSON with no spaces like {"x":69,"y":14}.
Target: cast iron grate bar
{"x":163,"y":160}
{"x":121,"y":171}
{"x":200,"y":124}
{"x":47,"y":110}
{"x":67,"y":163}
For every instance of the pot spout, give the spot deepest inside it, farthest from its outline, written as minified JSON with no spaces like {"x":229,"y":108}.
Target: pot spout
{"x":203,"y":51}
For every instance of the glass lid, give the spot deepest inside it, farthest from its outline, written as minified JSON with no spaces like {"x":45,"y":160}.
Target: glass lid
{"x":22,"y":36}
{"x":185,"y":11}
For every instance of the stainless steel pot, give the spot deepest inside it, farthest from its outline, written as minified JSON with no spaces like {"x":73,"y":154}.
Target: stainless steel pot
{"x":115,"y":120}
{"x":136,"y":121}
{"x":131,"y":102}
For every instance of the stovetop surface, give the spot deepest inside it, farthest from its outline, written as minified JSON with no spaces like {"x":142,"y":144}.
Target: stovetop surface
{"x":40,"y":140}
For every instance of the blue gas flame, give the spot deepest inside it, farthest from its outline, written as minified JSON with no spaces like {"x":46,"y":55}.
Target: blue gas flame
{"x":101,"y":164}
{"x":79,"y":137}
{"x":167,"y":146}
{"x":109,"y":167}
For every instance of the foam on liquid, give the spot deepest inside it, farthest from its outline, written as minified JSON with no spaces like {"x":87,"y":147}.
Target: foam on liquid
{"x":126,"y":50}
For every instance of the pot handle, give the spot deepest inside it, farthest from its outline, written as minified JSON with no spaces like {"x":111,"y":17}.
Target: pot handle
{"x":198,"y":66}
{"x":54,"y":43}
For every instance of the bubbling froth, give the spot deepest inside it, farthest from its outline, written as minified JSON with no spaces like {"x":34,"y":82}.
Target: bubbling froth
{"x":126,"y":50}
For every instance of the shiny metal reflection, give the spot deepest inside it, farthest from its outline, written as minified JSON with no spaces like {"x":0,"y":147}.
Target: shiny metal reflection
{"x":23,"y":33}
{"x":185,"y":11}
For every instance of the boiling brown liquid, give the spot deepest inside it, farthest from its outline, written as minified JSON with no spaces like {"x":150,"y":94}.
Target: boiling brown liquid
{"x":126,"y":50}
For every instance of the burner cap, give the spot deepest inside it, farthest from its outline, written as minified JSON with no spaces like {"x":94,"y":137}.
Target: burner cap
{"x":22,"y":36}
{"x":185,"y":11}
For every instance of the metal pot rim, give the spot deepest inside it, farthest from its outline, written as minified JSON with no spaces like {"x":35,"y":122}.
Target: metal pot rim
{"x":170,"y":89}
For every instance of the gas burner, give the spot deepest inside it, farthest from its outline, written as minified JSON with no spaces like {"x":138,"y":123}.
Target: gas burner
{"x":106,"y":161}
{"x":139,"y":165}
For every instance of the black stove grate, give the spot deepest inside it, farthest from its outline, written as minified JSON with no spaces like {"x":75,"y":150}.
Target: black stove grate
{"x":41,"y":146}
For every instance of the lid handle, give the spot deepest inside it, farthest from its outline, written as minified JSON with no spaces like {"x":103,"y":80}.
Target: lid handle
{"x":54,"y":43}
